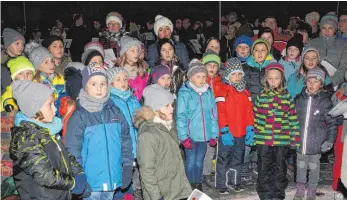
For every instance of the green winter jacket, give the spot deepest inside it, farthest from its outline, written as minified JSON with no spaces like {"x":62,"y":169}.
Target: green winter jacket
{"x":161,"y":164}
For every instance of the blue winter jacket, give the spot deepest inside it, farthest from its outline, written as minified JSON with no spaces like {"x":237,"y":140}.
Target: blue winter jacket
{"x":128,"y":108}
{"x":180,"y":51}
{"x":101,"y":143}
{"x":196,"y":115}
{"x":290,"y":67}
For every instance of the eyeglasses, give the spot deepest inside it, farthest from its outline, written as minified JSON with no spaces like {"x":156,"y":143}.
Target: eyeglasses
{"x":343,"y":20}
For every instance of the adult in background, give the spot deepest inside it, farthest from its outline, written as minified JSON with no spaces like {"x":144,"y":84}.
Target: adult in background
{"x":268,"y":35}
{"x":312,"y":19}
{"x":80,"y":36}
{"x":163,"y":28}
{"x":331,"y":48}
{"x":342,"y":34}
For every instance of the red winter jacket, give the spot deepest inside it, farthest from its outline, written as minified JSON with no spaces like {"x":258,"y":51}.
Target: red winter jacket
{"x":65,"y":110}
{"x":235,"y":110}
{"x":215,"y":83}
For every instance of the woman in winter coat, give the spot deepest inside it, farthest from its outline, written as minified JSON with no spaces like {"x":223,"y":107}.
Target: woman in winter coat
{"x":161,"y":164}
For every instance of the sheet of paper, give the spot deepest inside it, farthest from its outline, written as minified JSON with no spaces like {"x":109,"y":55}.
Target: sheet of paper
{"x":109,"y":56}
{"x":67,"y":43}
{"x":331,"y":69}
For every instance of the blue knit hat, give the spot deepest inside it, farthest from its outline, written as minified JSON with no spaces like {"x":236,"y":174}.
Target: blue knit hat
{"x":243,"y":39}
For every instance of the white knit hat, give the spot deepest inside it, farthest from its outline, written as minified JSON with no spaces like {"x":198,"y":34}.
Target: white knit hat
{"x":114,"y":16}
{"x":162,"y":21}
{"x":95,"y":46}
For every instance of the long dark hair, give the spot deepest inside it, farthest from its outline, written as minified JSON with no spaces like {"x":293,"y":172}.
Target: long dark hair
{"x":77,"y":17}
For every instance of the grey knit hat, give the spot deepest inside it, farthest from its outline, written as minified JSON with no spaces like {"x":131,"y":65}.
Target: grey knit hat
{"x":37,"y":54}
{"x":112,"y":72}
{"x":317,"y":73}
{"x":126,"y":42}
{"x":195,"y":66}
{"x":157,"y":97}
{"x":232,"y":65}
{"x":10,"y":36}
{"x":89,"y":72}
{"x":307,"y":49}
{"x":30,"y":96}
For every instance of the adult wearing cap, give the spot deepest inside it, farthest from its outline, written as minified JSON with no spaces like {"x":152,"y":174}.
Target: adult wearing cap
{"x":163,"y":28}
{"x":331,"y":48}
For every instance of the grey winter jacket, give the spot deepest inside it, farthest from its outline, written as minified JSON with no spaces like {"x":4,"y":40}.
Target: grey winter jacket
{"x":333,"y":50}
{"x":160,"y":162}
{"x":321,"y":127}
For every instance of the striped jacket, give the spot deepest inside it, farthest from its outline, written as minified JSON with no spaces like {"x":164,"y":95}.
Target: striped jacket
{"x":276,"y":123}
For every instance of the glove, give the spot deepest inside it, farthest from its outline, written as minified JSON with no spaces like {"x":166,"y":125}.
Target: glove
{"x":227,"y":138}
{"x":326,"y":146}
{"x":80,"y":184}
{"x":187,"y":143}
{"x":126,"y":176}
{"x":249,"y":135}
{"x":87,"y":191}
{"x":213,"y":142}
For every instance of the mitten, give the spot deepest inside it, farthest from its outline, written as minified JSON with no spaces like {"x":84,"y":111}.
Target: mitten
{"x":127,"y":176}
{"x":213,"y":142}
{"x":326,"y":146}
{"x":249,"y":135}
{"x":227,"y":137}
{"x":80,"y":184}
{"x":187,"y":143}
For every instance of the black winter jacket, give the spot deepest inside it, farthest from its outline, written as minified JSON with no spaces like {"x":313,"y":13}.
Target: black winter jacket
{"x":253,"y":77}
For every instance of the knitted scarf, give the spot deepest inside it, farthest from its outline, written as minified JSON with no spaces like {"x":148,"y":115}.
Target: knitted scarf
{"x":199,"y":90}
{"x":92,"y":104}
{"x":47,"y":80}
{"x":241,"y":86}
{"x":122,"y":94}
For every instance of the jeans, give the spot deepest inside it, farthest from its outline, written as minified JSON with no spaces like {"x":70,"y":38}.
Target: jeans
{"x":208,"y":160}
{"x":312,"y":163}
{"x":195,"y":161}
{"x":100,"y":196}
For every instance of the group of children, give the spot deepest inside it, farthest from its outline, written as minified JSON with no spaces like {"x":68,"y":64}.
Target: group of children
{"x":122,"y":126}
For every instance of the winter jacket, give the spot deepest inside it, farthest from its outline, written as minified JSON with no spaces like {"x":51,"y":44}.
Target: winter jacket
{"x":128,"y":108}
{"x":290,"y":67}
{"x":5,"y":77}
{"x":138,"y":84}
{"x":42,"y":169}
{"x":57,"y":84}
{"x":344,"y":164}
{"x":180,"y":51}
{"x":66,"y":111}
{"x":276,"y":54}
{"x":275,"y":121}
{"x":160,"y":163}
{"x":196,"y":115}
{"x":333,"y":50}
{"x":8,"y":100}
{"x":342,"y":36}
{"x":316,"y":126}
{"x":295,"y":85}
{"x":215,"y":84}
{"x":64,"y":62}
{"x":112,"y":41}
{"x":254,"y":73}
{"x":235,"y":110}
{"x":101,"y":143}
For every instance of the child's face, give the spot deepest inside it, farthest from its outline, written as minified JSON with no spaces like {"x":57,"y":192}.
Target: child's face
{"x":16,"y":48}
{"x":274,"y":78}
{"x":243,"y":50}
{"x":47,"y":66}
{"x":97,"y":87}
{"x":57,"y":49}
{"x":214,"y":46}
{"x":212,"y":69}
{"x":167,"y":111}
{"x":165,"y":81}
{"x":97,"y":60}
{"x":260,"y":52}
{"x":120,"y":81}
{"x":25,"y":75}
{"x":48,"y":110}
{"x":132,"y":55}
{"x":328,"y":30}
{"x":199,"y":79}
{"x":267,"y":37}
{"x":293,"y":52}
{"x":235,"y":77}
{"x":313,"y":85}
{"x":167,"y":52}
{"x":164,"y":32}
{"x":311,"y":60}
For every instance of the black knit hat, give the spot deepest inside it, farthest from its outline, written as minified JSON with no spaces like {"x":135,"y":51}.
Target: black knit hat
{"x":303,"y":27}
{"x":89,"y":54}
{"x":163,"y":41}
{"x":263,"y":30}
{"x":73,"y":81}
{"x":296,"y":41}
{"x":47,"y":41}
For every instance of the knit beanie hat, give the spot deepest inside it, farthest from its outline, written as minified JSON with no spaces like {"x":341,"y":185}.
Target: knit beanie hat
{"x":159,"y":71}
{"x":30,"y":96}
{"x":307,"y":49}
{"x":88,"y":72}
{"x":162,"y":21}
{"x":112,"y":72}
{"x":157,"y":97}
{"x":276,"y":66}
{"x":317,"y":73}
{"x":243,"y":39}
{"x":210,"y":57}
{"x":312,"y":18}
{"x":295,"y":41}
{"x":259,"y":41}
{"x":73,"y":79}
{"x":18,"y":65}
{"x":114,"y":16}
{"x":263,"y":30}
{"x":37,"y":54}
{"x":47,"y":41}
{"x":163,"y":41}
{"x":126,"y":42}
{"x":330,"y":19}
{"x":89,"y":54}
{"x":10,"y":36}
{"x":95,"y":46}
{"x":195,"y":66}
{"x":231,"y":66}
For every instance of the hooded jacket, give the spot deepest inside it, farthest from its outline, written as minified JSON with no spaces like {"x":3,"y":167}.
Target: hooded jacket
{"x":316,"y":126}
{"x":215,"y":84}
{"x":290,"y":67}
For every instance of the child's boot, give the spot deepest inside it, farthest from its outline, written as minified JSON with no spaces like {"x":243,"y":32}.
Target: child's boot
{"x":311,"y":194}
{"x":300,"y":191}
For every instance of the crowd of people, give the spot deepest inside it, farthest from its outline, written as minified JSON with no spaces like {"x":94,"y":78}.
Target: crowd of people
{"x":126,"y":115}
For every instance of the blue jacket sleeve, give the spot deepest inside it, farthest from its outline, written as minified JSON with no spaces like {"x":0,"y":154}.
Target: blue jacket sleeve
{"x":152,"y":55}
{"x":182,"y":53}
{"x":74,"y":136}
{"x":181,"y":117}
{"x":214,"y":120}
{"x":127,"y":147}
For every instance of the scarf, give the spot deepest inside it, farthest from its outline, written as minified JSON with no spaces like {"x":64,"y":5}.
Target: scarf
{"x":132,"y":70}
{"x":122,"y":94}
{"x":251,"y":62}
{"x":54,"y":127}
{"x":167,"y":124}
{"x":92,"y":104}
{"x":242,"y":59}
{"x":47,"y":80}
{"x":241,"y":86}
{"x":199,"y":90}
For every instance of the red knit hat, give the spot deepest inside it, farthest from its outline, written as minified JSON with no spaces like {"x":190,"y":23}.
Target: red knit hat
{"x":277,"y":66}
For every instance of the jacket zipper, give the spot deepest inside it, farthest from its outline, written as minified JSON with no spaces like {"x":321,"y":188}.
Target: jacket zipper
{"x":203,"y":118}
{"x":108,"y":154}
{"x":64,"y":161}
{"x":188,"y":127}
{"x":307,"y":119}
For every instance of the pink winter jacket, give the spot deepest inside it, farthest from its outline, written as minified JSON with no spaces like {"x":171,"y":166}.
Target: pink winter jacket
{"x":138,"y":85}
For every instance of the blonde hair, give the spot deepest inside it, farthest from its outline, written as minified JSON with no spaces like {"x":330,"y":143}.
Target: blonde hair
{"x":141,"y":68}
{"x":281,"y":89}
